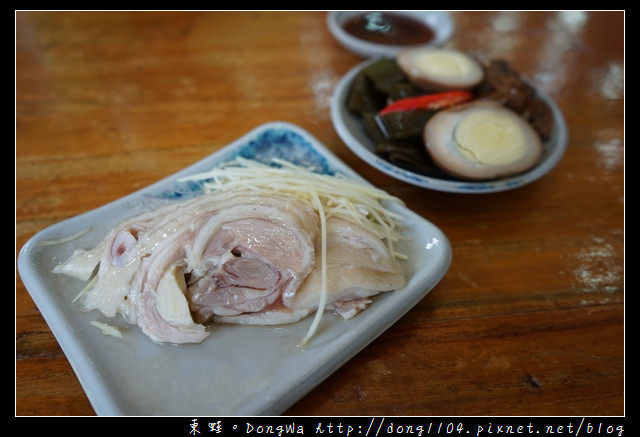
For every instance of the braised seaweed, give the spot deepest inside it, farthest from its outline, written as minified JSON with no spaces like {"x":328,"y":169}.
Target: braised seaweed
{"x":410,"y":155}
{"x":383,"y":74}
{"x":397,"y":136}
{"x":399,"y":125}
{"x":403,"y":124}
{"x":372,"y":128}
{"x":364,"y":97}
{"x":377,"y":84}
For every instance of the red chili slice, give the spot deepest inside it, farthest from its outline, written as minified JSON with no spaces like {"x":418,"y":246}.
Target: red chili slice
{"x":428,"y":101}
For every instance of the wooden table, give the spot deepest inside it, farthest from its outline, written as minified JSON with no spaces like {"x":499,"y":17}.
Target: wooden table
{"x":529,"y":320}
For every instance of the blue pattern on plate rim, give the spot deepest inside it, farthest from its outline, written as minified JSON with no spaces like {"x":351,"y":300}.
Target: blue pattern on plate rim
{"x":424,"y":181}
{"x":275,"y":142}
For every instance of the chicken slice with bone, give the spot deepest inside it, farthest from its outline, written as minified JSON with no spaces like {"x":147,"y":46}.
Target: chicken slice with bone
{"x":231,"y":257}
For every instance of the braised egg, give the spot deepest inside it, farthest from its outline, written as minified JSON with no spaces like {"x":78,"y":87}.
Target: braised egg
{"x":481,"y":140}
{"x":437,"y":69}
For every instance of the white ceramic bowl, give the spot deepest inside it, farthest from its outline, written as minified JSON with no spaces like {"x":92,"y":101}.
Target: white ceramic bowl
{"x":440,"y":22}
{"x":350,"y":129}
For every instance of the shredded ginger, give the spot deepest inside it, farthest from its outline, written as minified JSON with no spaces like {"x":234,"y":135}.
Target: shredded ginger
{"x":107,"y":329}
{"x":331,"y":196}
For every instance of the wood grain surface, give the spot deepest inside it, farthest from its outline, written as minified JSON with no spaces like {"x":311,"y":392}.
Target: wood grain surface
{"x":529,"y":320}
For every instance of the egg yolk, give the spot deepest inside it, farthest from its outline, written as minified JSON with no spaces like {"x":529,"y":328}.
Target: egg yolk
{"x":490,"y":138}
{"x":443,"y":64}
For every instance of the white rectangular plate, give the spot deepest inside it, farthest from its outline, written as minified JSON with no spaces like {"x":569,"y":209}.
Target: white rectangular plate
{"x":237,"y":370}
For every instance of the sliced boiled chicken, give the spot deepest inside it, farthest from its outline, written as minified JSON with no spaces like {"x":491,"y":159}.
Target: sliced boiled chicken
{"x":232,"y":257}
{"x":359,"y":265}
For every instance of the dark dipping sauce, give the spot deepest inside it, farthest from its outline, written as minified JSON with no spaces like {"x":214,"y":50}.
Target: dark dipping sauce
{"x":386,"y":28}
